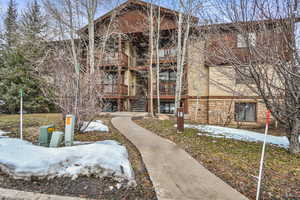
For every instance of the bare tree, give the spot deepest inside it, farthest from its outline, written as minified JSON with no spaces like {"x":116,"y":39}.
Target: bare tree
{"x":68,"y":17}
{"x":268,"y":57}
{"x":60,"y":84}
{"x":157,"y":59}
{"x":66,"y":13}
{"x":179,"y":67}
{"x":186,"y":20}
{"x":91,"y":7}
{"x":151,"y":49}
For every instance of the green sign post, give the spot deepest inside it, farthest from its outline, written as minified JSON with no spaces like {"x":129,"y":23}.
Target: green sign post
{"x":21,"y":113}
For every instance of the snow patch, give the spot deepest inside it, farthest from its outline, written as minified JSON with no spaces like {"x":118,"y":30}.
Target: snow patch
{"x":23,"y":160}
{"x":94,"y":126}
{"x":3,"y":134}
{"x":81,"y":142}
{"x":239,"y":134}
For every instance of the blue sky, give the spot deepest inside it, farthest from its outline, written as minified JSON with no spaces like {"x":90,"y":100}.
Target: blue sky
{"x":21,"y":3}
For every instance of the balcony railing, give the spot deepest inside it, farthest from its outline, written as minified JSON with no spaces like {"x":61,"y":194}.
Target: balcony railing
{"x":167,"y":89}
{"x":165,"y":55}
{"x":109,"y":59}
{"x":113,"y":89}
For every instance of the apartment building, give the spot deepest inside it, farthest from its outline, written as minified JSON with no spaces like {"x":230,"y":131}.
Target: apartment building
{"x":125,"y":63}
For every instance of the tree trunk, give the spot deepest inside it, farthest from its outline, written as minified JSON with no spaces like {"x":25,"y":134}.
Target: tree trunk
{"x":75,"y":60}
{"x":119,"y":73}
{"x":294,"y":137}
{"x":157,"y":61}
{"x":186,"y":36}
{"x":91,"y":9}
{"x":91,"y":45}
{"x":177,"y":90}
{"x":151,"y":61}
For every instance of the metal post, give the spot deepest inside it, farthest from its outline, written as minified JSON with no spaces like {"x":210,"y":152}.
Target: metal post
{"x":180,"y":119}
{"x":262,"y":156}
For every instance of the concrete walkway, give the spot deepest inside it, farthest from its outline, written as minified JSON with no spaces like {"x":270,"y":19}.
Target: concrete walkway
{"x":174,"y":173}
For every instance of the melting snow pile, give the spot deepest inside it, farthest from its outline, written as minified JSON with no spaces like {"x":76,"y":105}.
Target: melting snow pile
{"x":94,"y":126}
{"x":23,"y":160}
{"x":3,"y":134}
{"x":238,"y":134}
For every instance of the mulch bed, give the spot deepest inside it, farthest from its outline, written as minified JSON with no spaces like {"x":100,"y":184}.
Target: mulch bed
{"x":84,"y":187}
{"x":89,"y":187}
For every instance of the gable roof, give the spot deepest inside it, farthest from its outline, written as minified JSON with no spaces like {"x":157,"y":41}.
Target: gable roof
{"x":130,"y":3}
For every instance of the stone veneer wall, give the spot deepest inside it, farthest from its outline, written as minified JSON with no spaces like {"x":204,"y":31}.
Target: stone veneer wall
{"x":221,"y":111}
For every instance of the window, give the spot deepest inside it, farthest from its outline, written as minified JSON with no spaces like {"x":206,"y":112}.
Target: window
{"x":167,"y":52}
{"x":242,"y":41}
{"x":163,"y":76}
{"x":172,"y":76}
{"x":167,"y":107}
{"x":110,"y":78}
{"x":167,"y":76}
{"x":110,"y":106}
{"x":245,"y":112}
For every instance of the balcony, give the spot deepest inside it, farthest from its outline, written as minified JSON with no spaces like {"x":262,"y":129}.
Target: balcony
{"x":165,"y":89}
{"x":113,"y":90}
{"x":165,"y":56}
{"x":112,"y":59}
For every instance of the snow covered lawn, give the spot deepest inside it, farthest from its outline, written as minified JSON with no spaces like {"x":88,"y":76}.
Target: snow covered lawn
{"x":23,"y":160}
{"x":239,"y":134}
{"x":94,"y":126}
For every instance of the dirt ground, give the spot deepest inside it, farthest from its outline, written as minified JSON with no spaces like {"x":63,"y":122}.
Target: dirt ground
{"x":86,"y":187}
{"x":237,"y":162}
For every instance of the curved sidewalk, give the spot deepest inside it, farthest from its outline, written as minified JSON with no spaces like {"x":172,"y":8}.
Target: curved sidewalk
{"x":174,"y":173}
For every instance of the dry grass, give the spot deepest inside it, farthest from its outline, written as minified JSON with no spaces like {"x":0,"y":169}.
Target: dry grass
{"x":31,"y":124}
{"x":237,"y":162}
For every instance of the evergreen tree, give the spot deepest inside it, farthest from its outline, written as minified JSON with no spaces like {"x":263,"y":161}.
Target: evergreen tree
{"x":10,"y":23}
{"x":33,"y":22}
{"x":18,"y":64}
{"x":33,"y":25}
{"x":16,"y":73}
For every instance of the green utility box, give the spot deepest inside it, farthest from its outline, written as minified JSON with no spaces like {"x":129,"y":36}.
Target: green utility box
{"x":56,"y":139}
{"x":45,"y":135}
